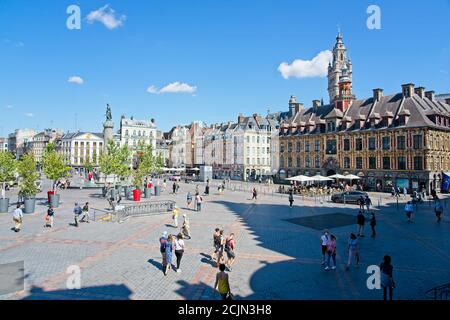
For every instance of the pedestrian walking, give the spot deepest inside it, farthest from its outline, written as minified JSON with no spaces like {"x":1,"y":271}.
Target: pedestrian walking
{"x":85,"y":217}
{"x":175,"y":213}
{"x":361,"y":221}
{"x":387,"y":278}
{"x":221,"y":248}
{"x":197,"y":189}
{"x":179,"y":250}
{"x":216,"y":243}
{"x":17,"y":218}
{"x":199,"y":201}
{"x":353,"y":251}
{"x":254,"y":194}
{"x":207,"y":190}
{"x":409,"y":209}
{"x":222,"y":284}
{"x":162,"y":249}
{"x":368,"y":203}
{"x":189,"y":199}
{"x":438,"y":209}
{"x":185,"y":229}
{"x":49,"y":218}
{"x":77,"y":211}
{"x":291,"y":199}
{"x":230,"y":245}
{"x":174,"y":188}
{"x":405,"y":192}
{"x":361,"y":202}
{"x":331,"y":253}
{"x":373,"y":223}
{"x":323,"y":243}
{"x":169,"y":253}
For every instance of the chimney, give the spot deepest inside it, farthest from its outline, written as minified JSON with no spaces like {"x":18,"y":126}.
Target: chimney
{"x":430,"y":95}
{"x":316,"y":103}
{"x":292,"y":103}
{"x":408,"y":90}
{"x":420,"y":91}
{"x":447,"y":101}
{"x":377,"y":94}
{"x":241,"y":118}
{"x":298,"y":107}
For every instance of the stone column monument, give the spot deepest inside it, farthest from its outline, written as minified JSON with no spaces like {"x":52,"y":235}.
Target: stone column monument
{"x":108,"y":127}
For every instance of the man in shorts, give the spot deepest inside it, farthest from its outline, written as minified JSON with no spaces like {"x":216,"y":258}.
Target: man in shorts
{"x":323,"y":241}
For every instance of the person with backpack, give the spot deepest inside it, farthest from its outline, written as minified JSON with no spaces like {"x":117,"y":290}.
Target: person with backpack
{"x":409,"y":209}
{"x":85,"y":217}
{"x":361,"y":221}
{"x":254,"y":194}
{"x":387,"y":279}
{"x":438,"y":209}
{"x":77,"y":212}
{"x":229,"y":249}
{"x":291,"y":199}
{"x":353,"y":251}
{"x":162,"y":249}
{"x":216,"y":243}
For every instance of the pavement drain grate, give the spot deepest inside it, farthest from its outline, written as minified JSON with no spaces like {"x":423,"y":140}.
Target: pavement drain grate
{"x":324,"y":221}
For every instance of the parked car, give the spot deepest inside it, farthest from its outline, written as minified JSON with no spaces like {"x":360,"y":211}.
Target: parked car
{"x":350,"y":196}
{"x":175,"y":178}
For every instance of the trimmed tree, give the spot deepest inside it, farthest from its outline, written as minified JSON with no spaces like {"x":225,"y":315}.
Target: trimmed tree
{"x":7,"y":170}
{"x":27,"y":171}
{"x":53,"y":165}
{"x":116,"y":161}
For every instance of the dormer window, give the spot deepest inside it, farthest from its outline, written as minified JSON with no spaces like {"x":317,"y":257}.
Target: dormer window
{"x":331,"y":126}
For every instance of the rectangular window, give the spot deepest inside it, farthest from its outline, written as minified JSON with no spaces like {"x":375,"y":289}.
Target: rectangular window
{"x":308,"y":162}
{"x":317,"y":146}
{"x":299,"y":147}
{"x":372,"y":144}
{"x":347,"y":163}
{"x":307,"y":148}
{"x":386,"y":163}
{"x":372,"y":163}
{"x":299,"y":162}
{"x":290,"y":147}
{"x":346,"y":144}
{"x":418,"y":141}
{"x":317,"y":161}
{"x":359,"y":163}
{"x":401,"y":163}
{"x":359,"y":144}
{"x":282,"y":147}
{"x":331,"y":147}
{"x":386,"y":143}
{"x":401,"y":143}
{"x":418,"y":163}
{"x":289,"y":162}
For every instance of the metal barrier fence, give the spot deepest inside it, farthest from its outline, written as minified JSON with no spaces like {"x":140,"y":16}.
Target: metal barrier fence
{"x":143,"y":209}
{"x":439,"y":293}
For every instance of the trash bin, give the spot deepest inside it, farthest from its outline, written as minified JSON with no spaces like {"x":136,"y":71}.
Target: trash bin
{"x":49,"y":194}
{"x":148,"y":193}
{"x":157,"y":191}
{"x":137,"y":195}
{"x":54,"y":200}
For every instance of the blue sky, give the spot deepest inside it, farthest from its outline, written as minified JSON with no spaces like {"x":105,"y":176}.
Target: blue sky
{"x":225,"y":53}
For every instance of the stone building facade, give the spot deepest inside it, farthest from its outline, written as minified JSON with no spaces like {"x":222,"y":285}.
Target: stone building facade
{"x":401,"y":139}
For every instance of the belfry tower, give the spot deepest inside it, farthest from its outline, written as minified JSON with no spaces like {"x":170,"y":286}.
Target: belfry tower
{"x":337,"y":67}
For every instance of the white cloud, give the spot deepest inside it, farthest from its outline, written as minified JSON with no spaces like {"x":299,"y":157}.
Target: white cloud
{"x":20,"y":44}
{"x":316,"y":67}
{"x":76,"y":80}
{"x":175,"y":87}
{"x":9,"y":106}
{"x":29,"y":114}
{"x":107,"y":16}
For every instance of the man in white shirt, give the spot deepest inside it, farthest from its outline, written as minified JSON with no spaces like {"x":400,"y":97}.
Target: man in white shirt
{"x":323,"y":241}
{"x":17,"y":217}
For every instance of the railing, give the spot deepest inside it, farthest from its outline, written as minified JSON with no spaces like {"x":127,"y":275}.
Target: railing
{"x":439,"y":293}
{"x":143,"y":209}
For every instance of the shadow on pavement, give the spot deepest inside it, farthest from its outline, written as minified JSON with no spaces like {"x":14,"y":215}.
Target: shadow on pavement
{"x":107,"y":292}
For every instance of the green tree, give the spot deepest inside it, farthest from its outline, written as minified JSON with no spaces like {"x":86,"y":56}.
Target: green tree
{"x":116,"y":161}
{"x":7,"y":169}
{"x":27,"y":171}
{"x":53,"y":165}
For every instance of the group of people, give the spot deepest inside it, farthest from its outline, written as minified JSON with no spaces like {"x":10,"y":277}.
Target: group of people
{"x":223,"y":244}
{"x":329,"y":251}
{"x":438,"y":209}
{"x":197,"y":203}
{"x":168,"y":245}
{"x":81,"y":214}
{"x":185,"y":228}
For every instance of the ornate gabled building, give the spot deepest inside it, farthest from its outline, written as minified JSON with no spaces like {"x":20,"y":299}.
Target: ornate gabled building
{"x":401,"y":139}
